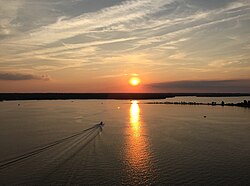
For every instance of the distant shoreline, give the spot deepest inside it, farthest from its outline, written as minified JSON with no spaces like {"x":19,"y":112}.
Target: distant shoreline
{"x":245,"y":103}
{"x":117,"y":96}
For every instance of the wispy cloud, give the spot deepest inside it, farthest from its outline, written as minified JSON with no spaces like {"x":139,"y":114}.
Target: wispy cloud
{"x":8,"y":13}
{"x":169,"y":35}
{"x":68,"y":28}
{"x":17,"y":76}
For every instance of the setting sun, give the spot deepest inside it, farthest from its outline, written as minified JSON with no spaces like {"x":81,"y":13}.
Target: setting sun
{"x":134,"y":81}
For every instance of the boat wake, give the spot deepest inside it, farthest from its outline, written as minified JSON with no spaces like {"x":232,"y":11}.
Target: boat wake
{"x":84,"y":134}
{"x":46,"y":160}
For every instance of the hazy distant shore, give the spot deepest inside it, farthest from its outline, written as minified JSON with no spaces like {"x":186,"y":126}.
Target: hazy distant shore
{"x":244,"y":103}
{"x":118,"y":96}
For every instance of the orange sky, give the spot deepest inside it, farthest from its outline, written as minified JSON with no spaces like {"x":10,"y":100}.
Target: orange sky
{"x":172,"y":46}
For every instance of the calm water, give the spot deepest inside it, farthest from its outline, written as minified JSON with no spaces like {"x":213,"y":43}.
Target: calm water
{"x":139,"y":144}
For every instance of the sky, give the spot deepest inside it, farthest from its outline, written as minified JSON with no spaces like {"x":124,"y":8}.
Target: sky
{"x":98,"y":45}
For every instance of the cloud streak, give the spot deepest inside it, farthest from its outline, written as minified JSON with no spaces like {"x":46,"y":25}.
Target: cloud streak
{"x":68,"y":28}
{"x":233,"y":85}
{"x":16,"y":76}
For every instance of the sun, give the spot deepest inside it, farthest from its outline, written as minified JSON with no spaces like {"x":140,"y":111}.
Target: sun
{"x":134,"y":81}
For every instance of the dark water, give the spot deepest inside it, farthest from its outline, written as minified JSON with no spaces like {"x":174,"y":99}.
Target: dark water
{"x":46,"y":143}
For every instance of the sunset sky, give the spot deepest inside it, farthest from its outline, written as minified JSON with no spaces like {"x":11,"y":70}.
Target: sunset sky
{"x":98,"y":45}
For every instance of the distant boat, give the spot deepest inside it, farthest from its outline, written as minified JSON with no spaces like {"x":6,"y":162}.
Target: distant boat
{"x":101,"y":123}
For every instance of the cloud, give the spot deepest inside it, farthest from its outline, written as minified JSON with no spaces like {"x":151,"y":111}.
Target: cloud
{"x":179,"y":55}
{"x":16,"y":76}
{"x":8,"y":13}
{"x":232,"y":85}
{"x":172,"y":32}
{"x":85,"y":23}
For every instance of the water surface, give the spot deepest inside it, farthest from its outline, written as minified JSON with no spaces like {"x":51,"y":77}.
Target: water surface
{"x":139,"y":144}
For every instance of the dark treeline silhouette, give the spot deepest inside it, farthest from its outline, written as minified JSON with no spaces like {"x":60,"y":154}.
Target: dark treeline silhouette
{"x":65,"y":96}
{"x":245,"y":103}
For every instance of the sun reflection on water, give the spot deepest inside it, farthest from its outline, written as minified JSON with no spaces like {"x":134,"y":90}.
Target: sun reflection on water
{"x":139,"y":168}
{"x":135,"y":118}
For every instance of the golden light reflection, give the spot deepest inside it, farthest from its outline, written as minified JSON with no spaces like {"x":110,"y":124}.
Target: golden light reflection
{"x":137,"y":149}
{"x":135,"y":118}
